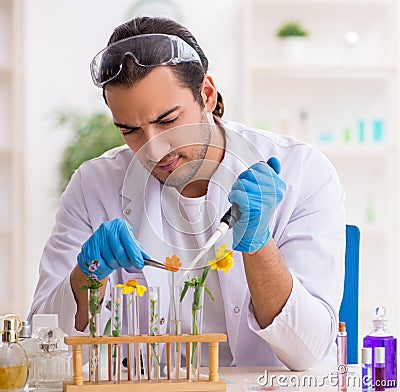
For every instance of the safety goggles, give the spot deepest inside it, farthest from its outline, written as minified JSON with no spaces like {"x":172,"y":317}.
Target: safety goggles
{"x":149,"y":50}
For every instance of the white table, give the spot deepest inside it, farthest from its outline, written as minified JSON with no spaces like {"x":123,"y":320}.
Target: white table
{"x":282,"y":380}
{"x":318,"y":379}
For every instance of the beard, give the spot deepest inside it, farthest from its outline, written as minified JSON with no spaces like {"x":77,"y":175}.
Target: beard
{"x":193,"y":153}
{"x":186,"y":172}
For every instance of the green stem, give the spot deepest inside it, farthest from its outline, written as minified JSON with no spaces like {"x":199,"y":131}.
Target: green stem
{"x":153,"y":348}
{"x":195,"y":331}
{"x":154,"y":328}
{"x":175,"y":309}
{"x":175,"y":315}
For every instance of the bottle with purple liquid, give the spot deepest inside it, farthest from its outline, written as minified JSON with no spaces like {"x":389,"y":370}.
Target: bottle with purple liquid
{"x":381,"y":337}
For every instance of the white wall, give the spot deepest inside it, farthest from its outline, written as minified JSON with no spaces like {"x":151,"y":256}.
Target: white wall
{"x":61,"y":37}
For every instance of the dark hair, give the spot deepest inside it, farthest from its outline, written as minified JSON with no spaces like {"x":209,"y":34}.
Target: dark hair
{"x":190,"y":74}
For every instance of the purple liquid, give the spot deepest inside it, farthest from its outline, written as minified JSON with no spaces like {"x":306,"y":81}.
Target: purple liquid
{"x":390,"y":344}
{"x":380,"y":377}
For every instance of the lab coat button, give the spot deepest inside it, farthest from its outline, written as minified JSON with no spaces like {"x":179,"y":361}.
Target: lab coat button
{"x":128,"y":211}
{"x":236,"y":309}
{"x":162,"y":320}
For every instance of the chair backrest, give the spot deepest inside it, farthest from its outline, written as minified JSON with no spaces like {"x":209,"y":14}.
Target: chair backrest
{"x":349,"y":308}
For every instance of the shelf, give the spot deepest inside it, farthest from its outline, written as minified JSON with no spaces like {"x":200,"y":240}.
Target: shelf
{"x":322,"y":71}
{"x":357,"y":152}
{"x":372,"y":230}
{"x":339,"y":82}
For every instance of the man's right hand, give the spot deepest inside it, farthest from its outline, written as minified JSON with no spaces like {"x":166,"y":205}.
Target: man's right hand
{"x":257,"y":191}
{"x":114,"y":246}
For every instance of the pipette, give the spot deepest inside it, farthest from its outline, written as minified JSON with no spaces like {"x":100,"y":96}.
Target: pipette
{"x":227,"y":221}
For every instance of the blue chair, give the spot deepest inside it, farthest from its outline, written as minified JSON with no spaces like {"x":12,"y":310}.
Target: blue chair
{"x":349,"y":307}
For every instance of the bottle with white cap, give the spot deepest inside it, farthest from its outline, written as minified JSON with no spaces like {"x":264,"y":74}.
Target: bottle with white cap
{"x":366,"y":369}
{"x":379,"y":370}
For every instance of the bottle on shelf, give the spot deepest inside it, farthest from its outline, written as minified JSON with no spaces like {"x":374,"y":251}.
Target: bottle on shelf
{"x":381,"y":337}
{"x":304,"y":133}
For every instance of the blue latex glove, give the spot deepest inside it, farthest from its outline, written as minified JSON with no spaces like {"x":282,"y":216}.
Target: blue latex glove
{"x":257,"y":191}
{"x":114,"y":246}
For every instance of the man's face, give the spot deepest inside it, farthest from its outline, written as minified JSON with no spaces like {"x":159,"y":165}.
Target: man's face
{"x":147,"y":115}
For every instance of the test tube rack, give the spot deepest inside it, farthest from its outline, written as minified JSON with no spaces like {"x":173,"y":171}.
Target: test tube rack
{"x":168,"y":384}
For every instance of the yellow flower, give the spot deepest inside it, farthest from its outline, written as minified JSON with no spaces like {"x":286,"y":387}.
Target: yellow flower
{"x":172,"y":263}
{"x":131,"y":285}
{"x":140,"y":290}
{"x":223,"y":260}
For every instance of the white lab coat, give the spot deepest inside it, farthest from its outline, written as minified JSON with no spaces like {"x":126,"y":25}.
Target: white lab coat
{"x":308,"y":228}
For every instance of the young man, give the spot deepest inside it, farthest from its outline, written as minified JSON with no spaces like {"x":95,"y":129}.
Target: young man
{"x":180,"y":170}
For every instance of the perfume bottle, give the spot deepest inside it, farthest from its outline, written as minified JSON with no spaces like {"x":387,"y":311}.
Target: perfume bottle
{"x":31,"y":347}
{"x":51,"y":366}
{"x":342,"y":357}
{"x":13,"y":358}
{"x":25,"y":332}
{"x":379,"y":371}
{"x":366,"y":369}
{"x":381,"y":337}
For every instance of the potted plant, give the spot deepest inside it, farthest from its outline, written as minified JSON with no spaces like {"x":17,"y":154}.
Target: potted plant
{"x":294,"y":38}
{"x":91,"y":136}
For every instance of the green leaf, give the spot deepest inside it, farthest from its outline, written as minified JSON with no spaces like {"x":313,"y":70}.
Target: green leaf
{"x":107,"y":329}
{"x":185,"y":289}
{"x":204,"y":275}
{"x":209,"y":293}
{"x":291,"y":29}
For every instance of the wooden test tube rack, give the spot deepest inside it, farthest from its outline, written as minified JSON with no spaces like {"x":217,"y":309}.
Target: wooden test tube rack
{"x":184,"y":384}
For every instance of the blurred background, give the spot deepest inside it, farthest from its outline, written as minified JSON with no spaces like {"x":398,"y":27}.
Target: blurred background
{"x":324,"y":71}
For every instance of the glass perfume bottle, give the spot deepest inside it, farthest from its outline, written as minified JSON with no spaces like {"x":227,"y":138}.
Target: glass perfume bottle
{"x":25,"y":332}
{"x":381,"y":337}
{"x":342,"y":356}
{"x":13,"y":358}
{"x":379,"y":371}
{"x":31,"y":347}
{"x":51,"y":366}
{"x":366,"y":369}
